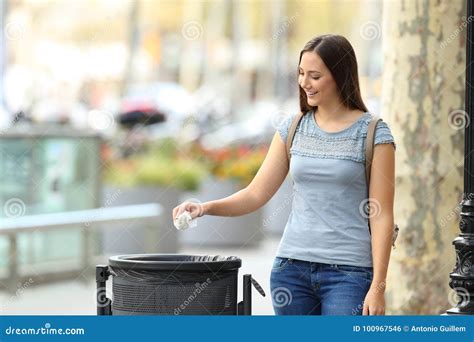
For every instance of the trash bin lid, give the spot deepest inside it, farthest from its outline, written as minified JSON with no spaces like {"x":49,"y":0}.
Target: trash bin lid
{"x":175,"y":262}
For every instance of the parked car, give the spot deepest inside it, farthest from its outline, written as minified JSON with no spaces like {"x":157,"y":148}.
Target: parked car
{"x":256,"y":123}
{"x":161,"y":106}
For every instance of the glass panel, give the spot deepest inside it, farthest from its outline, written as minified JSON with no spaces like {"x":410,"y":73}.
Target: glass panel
{"x":47,"y":175}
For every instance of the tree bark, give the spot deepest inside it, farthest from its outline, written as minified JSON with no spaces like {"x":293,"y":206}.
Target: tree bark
{"x":423,"y":93}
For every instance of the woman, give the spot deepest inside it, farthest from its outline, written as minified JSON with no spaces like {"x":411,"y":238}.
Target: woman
{"x":327,"y":262}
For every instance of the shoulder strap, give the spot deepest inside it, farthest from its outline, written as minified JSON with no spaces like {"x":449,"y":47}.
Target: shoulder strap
{"x":291,"y":133}
{"x":369,"y":146}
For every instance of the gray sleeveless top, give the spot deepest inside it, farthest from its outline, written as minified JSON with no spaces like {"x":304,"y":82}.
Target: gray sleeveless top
{"x":327,"y":223}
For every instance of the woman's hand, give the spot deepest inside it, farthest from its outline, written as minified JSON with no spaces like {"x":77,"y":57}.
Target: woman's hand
{"x":195,"y":209}
{"x":374,"y":302}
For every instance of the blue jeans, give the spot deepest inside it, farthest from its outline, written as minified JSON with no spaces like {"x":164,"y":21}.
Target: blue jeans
{"x":311,"y":288}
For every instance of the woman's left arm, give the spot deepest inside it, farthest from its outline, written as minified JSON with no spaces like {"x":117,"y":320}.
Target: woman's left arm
{"x":381,"y":198}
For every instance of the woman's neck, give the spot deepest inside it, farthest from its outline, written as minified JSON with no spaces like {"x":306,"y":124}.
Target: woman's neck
{"x":336,"y":112}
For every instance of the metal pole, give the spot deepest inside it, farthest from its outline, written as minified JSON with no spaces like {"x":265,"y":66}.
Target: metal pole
{"x":247,"y":295}
{"x":103,"y":303}
{"x":462,"y":277}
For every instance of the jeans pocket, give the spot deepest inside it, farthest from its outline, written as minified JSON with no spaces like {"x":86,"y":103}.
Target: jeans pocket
{"x":365,"y":272}
{"x":279,"y":264}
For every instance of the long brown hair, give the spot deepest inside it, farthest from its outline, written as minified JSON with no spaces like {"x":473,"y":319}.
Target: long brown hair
{"x":339,"y":56}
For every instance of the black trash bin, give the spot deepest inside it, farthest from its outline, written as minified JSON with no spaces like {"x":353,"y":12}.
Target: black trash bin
{"x":173,"y":284}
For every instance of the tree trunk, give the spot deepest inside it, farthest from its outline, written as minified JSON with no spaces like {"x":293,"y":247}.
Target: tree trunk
{"x":423,"y":101}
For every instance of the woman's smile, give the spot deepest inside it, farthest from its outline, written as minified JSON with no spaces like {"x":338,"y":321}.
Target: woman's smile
{"x":311,"y":94}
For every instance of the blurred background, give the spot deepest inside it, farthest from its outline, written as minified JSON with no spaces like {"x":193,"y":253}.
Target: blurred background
{"x":113,"y":104}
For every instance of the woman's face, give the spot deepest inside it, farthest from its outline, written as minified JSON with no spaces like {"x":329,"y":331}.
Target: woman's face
{"x":316,"y":80}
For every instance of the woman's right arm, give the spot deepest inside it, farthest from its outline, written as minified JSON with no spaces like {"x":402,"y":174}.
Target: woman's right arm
{"x":264,"y":185}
